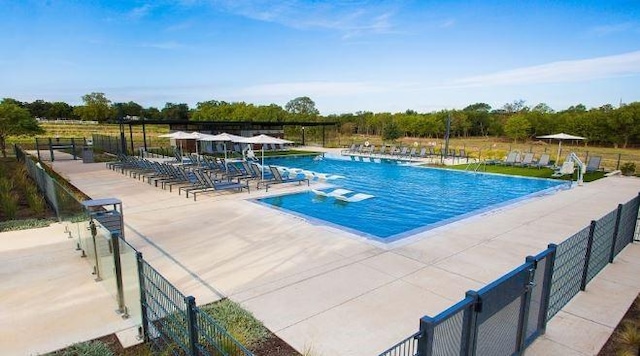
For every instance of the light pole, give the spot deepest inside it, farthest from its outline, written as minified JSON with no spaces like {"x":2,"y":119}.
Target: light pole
{"x":303,"y":135}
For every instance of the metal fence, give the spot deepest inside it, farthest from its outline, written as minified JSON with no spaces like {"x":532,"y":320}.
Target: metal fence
{"x":507,"y":315}
{"x":170,"y":320}
{"x":110,"y":144}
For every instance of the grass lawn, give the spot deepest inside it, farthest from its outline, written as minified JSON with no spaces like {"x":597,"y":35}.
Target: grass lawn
{"x":528,"y":172}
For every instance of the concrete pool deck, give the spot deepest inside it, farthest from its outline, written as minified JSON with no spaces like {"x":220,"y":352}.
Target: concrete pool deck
{"x":322,"y":288}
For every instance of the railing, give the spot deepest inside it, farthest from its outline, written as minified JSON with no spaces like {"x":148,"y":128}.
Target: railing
{"x":110,"y":144}
{"x":60,"y":199}
{"x":170,"y":320}
{"x":507,"y":315}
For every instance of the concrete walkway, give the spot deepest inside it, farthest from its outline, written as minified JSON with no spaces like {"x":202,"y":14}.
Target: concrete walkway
{"x":322,"y":288}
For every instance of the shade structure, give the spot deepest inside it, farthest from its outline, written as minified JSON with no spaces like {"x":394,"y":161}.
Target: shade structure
{"x":263,"y":140}
{"x":561,"y":137}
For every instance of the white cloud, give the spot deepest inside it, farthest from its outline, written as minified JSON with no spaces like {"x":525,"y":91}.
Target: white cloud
{"x":169,"y":45}
{"x":353,"y":18}
{"x":139,"y":12}
{"x":606,"y":30}
{"x":561,"y":72}
{"x":447,"y":23}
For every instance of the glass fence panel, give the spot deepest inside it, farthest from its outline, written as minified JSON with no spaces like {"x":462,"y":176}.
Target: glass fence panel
{"x":104,"y":252}
{"x":130,"y":281}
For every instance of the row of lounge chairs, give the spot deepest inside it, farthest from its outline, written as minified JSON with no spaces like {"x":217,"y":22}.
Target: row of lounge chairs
{"x":401,"y":152}
{"x":514,"y":158}
{"x":209,"y":175}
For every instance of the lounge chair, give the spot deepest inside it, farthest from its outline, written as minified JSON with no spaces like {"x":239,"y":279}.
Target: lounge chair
{"x":542,"y":162}
{"x":567,"y":168}
{"x":423,"y":152}
{"x":279,"y":179}
{"x":212,"y":185}
{"x":593,"y":164}
{"x":333,"y":193}
{"x":527,"y":160}
{"x":511,"y":159}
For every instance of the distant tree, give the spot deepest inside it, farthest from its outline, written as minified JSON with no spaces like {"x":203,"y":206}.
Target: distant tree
{"x":96,"y":107}
{"x":15,"y":120}
{"x":515,"y":107}
{"x":517,"y":127}
{"x":38,"y":108}
{"x":391,"y":131}
{"x":151,"y":113}
{"x":302,"y":107}
{"x":130,"y":109}
{"x":179,"y":112}
{"x":624,"y":123}
{"x":478,"y":107}
{"x":60,"y":110}
{"x":542,"y":108}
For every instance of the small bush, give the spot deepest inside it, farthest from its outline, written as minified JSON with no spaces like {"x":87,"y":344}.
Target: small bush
{"x":628,"y":168}
{"x":9,"y":204}
{"x":88,"y":348}
{"x":34,"y":200}
{"x":14,"y":225}
{"x":239,"y":322}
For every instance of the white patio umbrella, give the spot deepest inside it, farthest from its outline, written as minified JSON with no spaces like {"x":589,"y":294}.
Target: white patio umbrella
{"x":179,"y":135}
{"x":224,"y":137}
{"x":561,"y":137}
{"x":263,"y":140}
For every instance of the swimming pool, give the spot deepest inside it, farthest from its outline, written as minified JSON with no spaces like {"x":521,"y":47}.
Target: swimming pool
{"x":407,"y":199}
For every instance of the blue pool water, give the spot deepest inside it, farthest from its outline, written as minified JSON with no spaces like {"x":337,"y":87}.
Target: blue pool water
{"x":406,"y":199}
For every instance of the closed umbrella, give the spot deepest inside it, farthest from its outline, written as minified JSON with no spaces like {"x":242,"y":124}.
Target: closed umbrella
{"x":263,"y":140}
{"x":561,"y":137}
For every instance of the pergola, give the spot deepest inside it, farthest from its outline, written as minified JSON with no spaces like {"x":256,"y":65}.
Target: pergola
{"x":240,"y":128}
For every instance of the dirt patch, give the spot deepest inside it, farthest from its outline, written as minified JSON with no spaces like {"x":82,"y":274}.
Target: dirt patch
{"x":613,"y":347}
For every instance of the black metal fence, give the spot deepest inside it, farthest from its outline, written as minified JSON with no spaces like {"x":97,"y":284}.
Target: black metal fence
{"x":110,"y":144}
{"x":46,"y":148}
{"x":507,"y":315}
{"x":172,"y":321}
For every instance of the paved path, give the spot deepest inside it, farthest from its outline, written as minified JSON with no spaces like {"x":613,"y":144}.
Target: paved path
{"x":322,"y":288}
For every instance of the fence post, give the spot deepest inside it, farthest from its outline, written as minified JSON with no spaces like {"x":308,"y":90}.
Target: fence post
{"x":585,"y":270}
{"x":51,"y":149}
{"x":192,"y":324}
{"x":425,"y":339}
{"x":636,"y":234}
{"x":546,"y":288}
{"x":73,"y":148}
{"x":615,"y":233}
{"x":470,"y":327}
{"x":525,"y":306}
{"x":115,"y":243}
{"x":618,"y":164}
{"x":143,"y":302}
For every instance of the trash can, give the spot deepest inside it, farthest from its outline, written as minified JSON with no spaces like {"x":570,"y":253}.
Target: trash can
{"x":87,"y":154}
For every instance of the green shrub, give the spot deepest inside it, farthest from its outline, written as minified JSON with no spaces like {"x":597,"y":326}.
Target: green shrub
{"x":8,"y":199}
{"x":34,"y":199}
{"x":240,"y":323}
{"x":88,"y":348}
{"x":13,"y":225}
{"x":628,"y":168}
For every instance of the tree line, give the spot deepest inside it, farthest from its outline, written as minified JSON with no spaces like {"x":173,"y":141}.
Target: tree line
{"x":605,"y":125}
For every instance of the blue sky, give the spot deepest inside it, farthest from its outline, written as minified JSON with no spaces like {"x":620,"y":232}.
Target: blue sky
{"x":348,"y":56}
